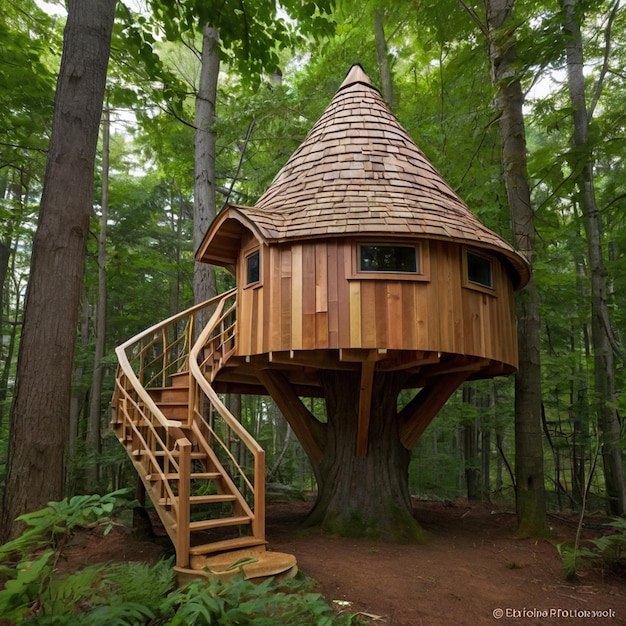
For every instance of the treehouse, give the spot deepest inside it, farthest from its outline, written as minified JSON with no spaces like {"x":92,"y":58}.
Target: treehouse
{"x":359,"y":273}
{"x":359,"y":256}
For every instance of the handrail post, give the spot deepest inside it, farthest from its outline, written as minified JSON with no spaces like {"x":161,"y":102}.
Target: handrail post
{"x":258,"y":524}
{"x":183,"y":514}
{"x":164,"y":351}
{"x":192,"y":400}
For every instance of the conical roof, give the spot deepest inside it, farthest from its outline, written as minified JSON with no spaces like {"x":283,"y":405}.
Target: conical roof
{"x":359,"y":172}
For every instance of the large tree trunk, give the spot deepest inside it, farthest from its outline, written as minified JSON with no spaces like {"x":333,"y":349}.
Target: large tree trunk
{"x":204,"y":286}
{"x":364,"y":496}
{"x":529,"y":475}
{"x":39,"y":415}
{"x":605,"y":397}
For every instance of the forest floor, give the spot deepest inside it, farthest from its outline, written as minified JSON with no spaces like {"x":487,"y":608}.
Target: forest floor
{"x":473,"y":570}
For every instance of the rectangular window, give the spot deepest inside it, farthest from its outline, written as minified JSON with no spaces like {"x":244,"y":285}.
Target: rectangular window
{"x":479,"y":270}
{"x":253,"y":268}
{"x":388,"y":258}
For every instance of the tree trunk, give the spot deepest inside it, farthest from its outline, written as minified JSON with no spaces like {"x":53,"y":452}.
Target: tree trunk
{"x":605,"y":396}
{"x":382,"y":56}
{"x":95,"y":404}
{"x":364,"y":496}
{"x":471,"y":453}
{"x":39,"y":415}
{"x":76,"y":483}
{"x":204,"y":286}
{"x":5,"y":255}
{"x":529,"y":474}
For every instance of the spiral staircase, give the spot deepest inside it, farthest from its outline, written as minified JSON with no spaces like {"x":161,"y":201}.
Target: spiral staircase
{"x":204,"y":473}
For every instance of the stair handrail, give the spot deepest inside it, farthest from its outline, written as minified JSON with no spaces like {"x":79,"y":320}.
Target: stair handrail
{"x":196,"y":373}
{"x":125,"y":366}
{"x":200,"y":382}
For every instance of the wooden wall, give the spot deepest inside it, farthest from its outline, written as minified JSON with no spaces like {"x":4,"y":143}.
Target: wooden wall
{"x":309,"y":298}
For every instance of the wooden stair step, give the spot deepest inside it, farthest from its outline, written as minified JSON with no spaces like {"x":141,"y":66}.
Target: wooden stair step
{"x":193,"y":476}
{"x":205,"y":524}
{"x":226,"y":544}
{"x":174,"y":410}
{"x":180,"y":379}
{"x":194,"y":455}
{"x":175,"y":476}
{"x":174,"y":394}
{"x":210,"y":499}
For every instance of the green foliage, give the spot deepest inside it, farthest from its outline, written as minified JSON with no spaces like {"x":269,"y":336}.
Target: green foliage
{"x":242,"y":602}
{"x":23,"y":584}
{"x":137,"y":593}
{"x":133,"y":593}
{"x":608,"y":550}
{"x":59,"y":518}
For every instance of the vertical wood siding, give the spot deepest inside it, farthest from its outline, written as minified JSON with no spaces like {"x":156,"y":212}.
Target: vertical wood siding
{"x":308,"y":299}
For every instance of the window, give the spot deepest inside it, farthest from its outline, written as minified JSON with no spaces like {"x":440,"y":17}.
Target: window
{"x":479,"y":270}
{"x":253,"y":268}
{"x":394,"y":259}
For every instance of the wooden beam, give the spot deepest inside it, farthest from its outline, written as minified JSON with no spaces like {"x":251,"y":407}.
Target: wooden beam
{"x":318,"y":359}
{"x":358,"y":355}
{"x":365,"y":404}
{"x":309,"y":431}
{"x":418,"y":414}
{"x":410,"y":360}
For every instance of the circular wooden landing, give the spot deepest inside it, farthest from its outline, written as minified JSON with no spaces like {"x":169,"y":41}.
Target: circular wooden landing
{"x":250,"y":566}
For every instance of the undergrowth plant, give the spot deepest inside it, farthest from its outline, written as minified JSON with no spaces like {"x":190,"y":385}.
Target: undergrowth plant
{"x":52,"y":525}
{"x":607,"y":551}
{"x":132,"y":593}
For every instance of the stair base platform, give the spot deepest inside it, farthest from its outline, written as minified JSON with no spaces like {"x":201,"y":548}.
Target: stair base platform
{"x":251,"y":564}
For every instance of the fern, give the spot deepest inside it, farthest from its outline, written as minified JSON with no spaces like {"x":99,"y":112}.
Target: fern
{"x":572,"y":557}
{"x":610,"y":550}
{"x":135,"y":594}
{"x":195,"y":603}
{"x":59,"y":518}
{"x":240,"y":602}
{"x":20,"y":591}
{"x":139,"y":582}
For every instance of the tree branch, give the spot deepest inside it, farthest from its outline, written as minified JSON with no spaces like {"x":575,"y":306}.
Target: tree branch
{"x":241,"y":156}
{"x":483,"y":27}
{"x":605,"y":63}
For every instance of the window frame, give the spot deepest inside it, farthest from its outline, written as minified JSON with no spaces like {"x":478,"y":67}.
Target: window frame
{"x":473,"y":284}
{"x":422,"y":260}
{"x":247,"y":254}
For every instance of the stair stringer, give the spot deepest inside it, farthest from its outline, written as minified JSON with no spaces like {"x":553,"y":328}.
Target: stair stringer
{"x":162,"y":449}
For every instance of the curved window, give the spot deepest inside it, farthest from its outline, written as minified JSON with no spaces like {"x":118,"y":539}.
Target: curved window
{"x":479,"y":270}
{"x":253,"y":268}
{"x":387,"y":258}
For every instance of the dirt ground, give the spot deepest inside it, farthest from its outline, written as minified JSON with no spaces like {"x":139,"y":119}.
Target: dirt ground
{"x":472,"y":570}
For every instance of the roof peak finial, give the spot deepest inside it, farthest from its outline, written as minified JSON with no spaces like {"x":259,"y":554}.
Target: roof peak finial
{"x":356,"y":74}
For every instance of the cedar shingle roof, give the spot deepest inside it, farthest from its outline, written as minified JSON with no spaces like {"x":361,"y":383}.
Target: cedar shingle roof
{"x":359,"y":172}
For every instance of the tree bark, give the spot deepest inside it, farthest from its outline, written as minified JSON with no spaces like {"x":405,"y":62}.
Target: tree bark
{"x":204,"y":285}
{"x":382,"y":56}
{"x":471,"y":451}
{"x":39,"y":415}
{"x":605,"y":396}
{"x":95,"y":404}
{"x":529,"y":473}
{"x":364,"y":496}
{"x":5,"y":255}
